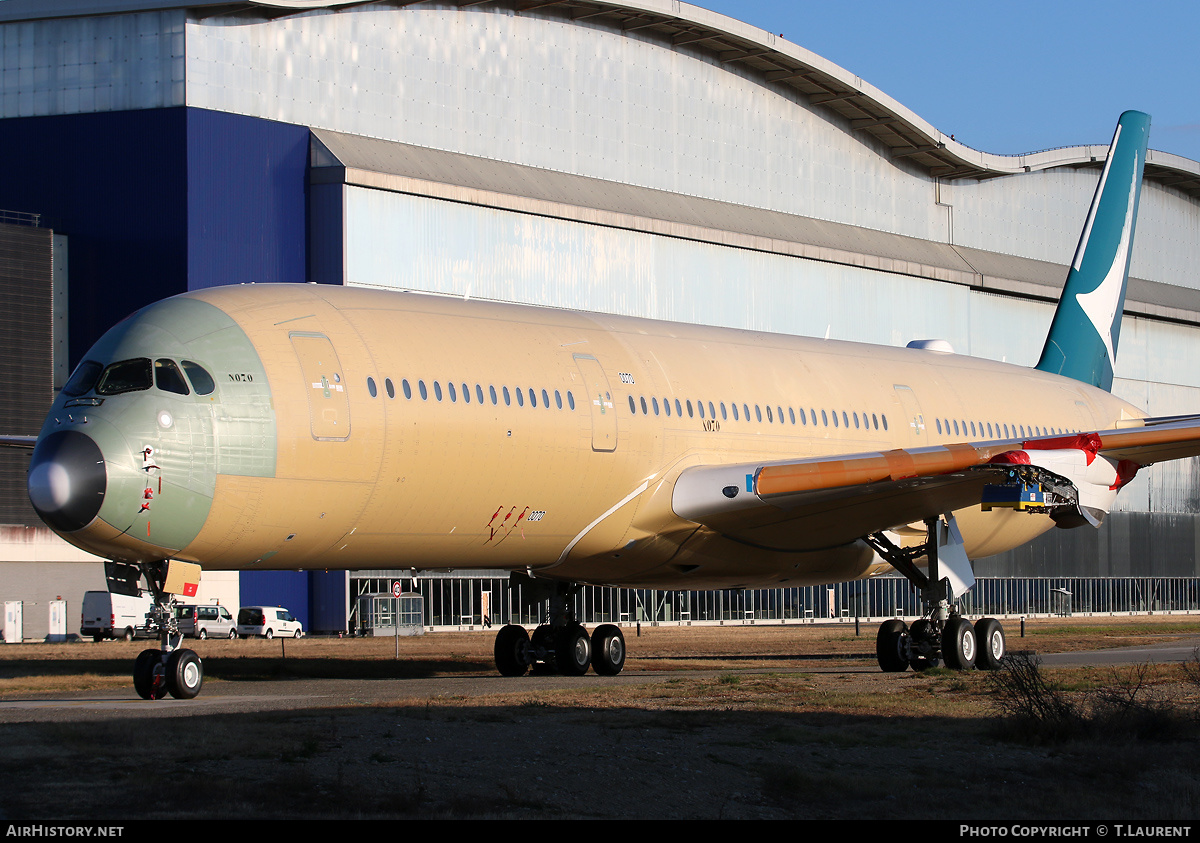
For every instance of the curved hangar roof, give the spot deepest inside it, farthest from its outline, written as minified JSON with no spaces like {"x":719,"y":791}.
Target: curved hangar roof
{"x":728,"y":41}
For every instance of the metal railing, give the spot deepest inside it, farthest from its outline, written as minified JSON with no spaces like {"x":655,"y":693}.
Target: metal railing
{"x":457,"y":602}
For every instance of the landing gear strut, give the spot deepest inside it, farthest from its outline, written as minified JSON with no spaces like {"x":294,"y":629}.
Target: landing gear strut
{"x":942,"y":634}
{"x":170,"y":669}
{"x":560,"y":646}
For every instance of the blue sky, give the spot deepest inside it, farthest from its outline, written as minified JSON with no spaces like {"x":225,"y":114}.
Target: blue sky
{"x":1016,"y":76}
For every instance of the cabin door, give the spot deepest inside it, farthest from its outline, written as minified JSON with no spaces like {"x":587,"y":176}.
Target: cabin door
{"x":600,"y":399}
{"x":325,"y":385}
{"x":913,"y":417}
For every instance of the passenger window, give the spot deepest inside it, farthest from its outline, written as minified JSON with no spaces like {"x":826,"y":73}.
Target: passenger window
{"x":479,"y":394}
{"x":126,"y":376}
{"x":824,"y":418}
{"x":939,"y":425}
{"x":407,"y":389}
{"x":712,"y":413}
{"x":875,"y":421}
{"x":520,"y":397}
{"x":437,"y":390}
{"x":779,"y":413}
{"x":689,"y":406}
{"x":507,"y":396}
{"x":202,"y":381}
{"x":545,"y":399}
{"x":570,"y":400}
{"x":758,"y":413}
{"x":884,"y":422}
{"x":667,"y":406}
{"x":453,"y":392}
{"x":645,"y":411}
{"x":492,"y":394}
{"x":558,"y":398}
{"x":654,"y":403}
{"x":770,"y":418}
{"x":678,"y":408}
{"x":391,"y":390}
{"x":371,"y":387}
{"x":735,"y":412}
{"x":532,"y":398}
{"x":855,"y":421}
{"x":724,"y":417}
{"x":835,"y":421}
{"x":792,"y":416}
{"x":632,"y":408}
{"x":168,"y":378}
{"x":699,"y":406}
{"x":424,"y":392}
{"x":845,"y":419}
{"x":466,"y":394}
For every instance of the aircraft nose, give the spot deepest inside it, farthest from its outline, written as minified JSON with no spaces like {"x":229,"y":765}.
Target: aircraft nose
{"x":67,"y":479}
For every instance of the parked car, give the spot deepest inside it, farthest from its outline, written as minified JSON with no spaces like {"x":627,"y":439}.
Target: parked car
{"x":268,"y":621}
{"x":108,"y":615}
{"x":205,"y":621}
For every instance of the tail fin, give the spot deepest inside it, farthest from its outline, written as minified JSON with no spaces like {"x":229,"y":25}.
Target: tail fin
{"x":1082,"y":343}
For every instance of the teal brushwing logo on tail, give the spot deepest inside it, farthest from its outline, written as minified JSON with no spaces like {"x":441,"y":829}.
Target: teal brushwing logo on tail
{"x":1082,"y":343}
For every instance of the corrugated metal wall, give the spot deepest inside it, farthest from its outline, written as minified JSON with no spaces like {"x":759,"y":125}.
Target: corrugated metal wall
{"x":26,"y":354}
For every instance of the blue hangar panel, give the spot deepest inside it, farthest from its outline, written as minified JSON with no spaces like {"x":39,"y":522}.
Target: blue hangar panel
{"x":114,"y":183}
{"x":288,"y":589}
{"x":246,"y":200}
{"x":159,"y":201}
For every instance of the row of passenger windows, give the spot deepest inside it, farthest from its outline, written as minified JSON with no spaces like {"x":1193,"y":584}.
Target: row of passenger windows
{"x":773,"y":415}
{"x":705,"y":410}
{"x":999,"y":431}
{"x":455,"y":393}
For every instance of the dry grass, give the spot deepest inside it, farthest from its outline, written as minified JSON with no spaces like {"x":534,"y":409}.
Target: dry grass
{"x":793,"y":723}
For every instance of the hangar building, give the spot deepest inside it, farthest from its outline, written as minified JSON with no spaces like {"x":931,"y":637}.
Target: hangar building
{"x":639,"y":157}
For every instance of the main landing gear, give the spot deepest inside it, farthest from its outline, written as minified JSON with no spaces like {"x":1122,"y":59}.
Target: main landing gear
{"x":560,"y":646}
{"x":942,"y":634}
{"x":170,"y":669}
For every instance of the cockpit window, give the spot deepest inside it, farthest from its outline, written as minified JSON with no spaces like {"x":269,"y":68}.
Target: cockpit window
{"x":83,"y":379}
{"x":168,"y":378}
{"x":201,"y":380}
{"x":126,"y":376}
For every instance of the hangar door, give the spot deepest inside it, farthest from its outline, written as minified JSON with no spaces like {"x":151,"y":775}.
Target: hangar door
{"x":324,"y":383}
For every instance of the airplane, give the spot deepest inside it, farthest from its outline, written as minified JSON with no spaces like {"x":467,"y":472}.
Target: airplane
{"x":294,"y":427}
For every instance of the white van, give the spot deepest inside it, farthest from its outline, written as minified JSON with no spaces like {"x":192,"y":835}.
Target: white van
{"x":108,"y":615}
{"x":267,"y":621}
{"x":205,"y":621}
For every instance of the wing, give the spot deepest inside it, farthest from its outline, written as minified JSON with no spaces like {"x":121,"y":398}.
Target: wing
{"x":15,"y":441}
{"x":820,"y":502}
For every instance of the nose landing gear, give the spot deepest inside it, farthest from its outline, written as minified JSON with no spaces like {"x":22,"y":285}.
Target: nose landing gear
{"x":171,"y":669}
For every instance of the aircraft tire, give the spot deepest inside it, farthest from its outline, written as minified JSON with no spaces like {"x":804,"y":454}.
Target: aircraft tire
{"x":572,"y":651}
{"x":992,"y":647}
{"x":608,"y":650}
{"x":920,"y":630}
{"x":959,"y":645}
{"x":145,"y":666}
{"x":512,"y":650}
{"x":890,"y":646}
{"x":185,"y":674}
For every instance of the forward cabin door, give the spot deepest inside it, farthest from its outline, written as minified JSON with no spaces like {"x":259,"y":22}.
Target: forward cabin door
{"x":325,"y":385}
{"x":600,"y":399}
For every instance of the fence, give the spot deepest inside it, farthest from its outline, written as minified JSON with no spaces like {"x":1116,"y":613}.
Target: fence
{"x":459,"y":602}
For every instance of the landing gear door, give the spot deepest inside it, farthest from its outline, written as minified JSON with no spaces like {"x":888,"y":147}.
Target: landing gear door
{"x":325,"y":385}
{"x":600,"y":399}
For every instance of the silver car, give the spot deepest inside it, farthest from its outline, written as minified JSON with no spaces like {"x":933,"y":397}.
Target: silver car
{"x":205,"y":621}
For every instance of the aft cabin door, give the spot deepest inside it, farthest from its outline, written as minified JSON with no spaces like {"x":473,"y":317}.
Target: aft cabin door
{"x":325,"y":384}
{"x":600,"y":399}
{"x":913,"y":416}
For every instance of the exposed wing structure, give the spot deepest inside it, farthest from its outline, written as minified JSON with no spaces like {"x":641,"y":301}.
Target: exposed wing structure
{"x":819,"y":502}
